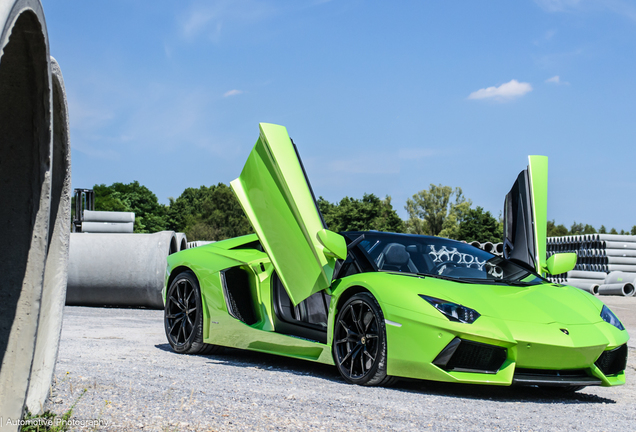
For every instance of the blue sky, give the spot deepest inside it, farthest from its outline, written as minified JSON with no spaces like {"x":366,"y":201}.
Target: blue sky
{"x":380,"y":97}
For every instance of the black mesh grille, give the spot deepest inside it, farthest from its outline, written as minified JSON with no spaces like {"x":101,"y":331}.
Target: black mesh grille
{"x":613,"y":361}
{"x":477,"y":357}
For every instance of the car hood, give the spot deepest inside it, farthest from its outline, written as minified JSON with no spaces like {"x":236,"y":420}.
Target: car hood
{"x":544,"y":303}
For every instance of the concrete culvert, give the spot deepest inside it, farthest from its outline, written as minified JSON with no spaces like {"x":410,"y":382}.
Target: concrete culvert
{"x":118,"y":269}
{"x":182,"y":241}
{"x":55,"y":273}
{"x":25,"y":145}
{"x":619,"y":289}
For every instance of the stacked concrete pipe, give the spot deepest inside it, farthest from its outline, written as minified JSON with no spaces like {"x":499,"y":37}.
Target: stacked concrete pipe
{"x":599,"y":257}
{"x":108,"y":222}
{"x":34,"y":200}
{"x":182,"y":241}
{"x":493,"y":248}
{"x":118,"y":269}
{"x":198,"y":243}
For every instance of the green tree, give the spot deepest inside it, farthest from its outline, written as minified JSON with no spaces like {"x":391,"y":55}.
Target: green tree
{"x":437,"y":211}
{"x":633,"y":231}
{"x":578,"y":229}
{"x":589,"y":229}
{"x":480,"y":225}
{"x":368,"y":213}
{"x":556,"y":230}
{"x":613,"y":231}
{"x":602,"y":230}
{"x":150,"y":216}
{"x":208,"y":213}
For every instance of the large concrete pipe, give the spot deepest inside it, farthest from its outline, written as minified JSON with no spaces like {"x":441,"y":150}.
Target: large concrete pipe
{"x":574,"y":274}
{"x":55,"y":273}
{"x":571,"y":281}
{"x":488,"y":247}
{"x":620,"y":289}
{"x":618,"y":277}
{"x":182,"y":241}
{"x":118,"y":269}
{"x":25,"y":187}
{"x":107,"y":227}
{"x":592,"y":288}
{"x":108,"y":216}
{"x":476,"y":244}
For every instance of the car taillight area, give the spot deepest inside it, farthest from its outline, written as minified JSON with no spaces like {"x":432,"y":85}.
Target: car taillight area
{"x":613,"y":361}
{"x":462,"y":355}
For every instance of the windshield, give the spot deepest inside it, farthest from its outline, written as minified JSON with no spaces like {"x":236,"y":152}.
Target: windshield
{"x":439,"y":257}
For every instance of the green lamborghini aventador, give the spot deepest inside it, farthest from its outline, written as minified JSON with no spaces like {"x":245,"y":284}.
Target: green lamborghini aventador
{"x":381,"y":306}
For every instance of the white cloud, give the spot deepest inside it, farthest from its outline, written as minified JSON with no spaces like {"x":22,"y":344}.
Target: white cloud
{"x":509,"y":90}
{"x":233,"y":93}
{"x":556,"y":80}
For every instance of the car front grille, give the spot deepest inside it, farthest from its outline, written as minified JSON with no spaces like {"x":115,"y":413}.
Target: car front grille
{"x":613,"y":361}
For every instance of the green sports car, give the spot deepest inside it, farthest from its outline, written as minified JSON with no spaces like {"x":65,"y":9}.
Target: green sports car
{"x":381,"y":306}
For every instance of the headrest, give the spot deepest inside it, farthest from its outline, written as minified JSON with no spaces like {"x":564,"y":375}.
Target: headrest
{"x":396,"y":254}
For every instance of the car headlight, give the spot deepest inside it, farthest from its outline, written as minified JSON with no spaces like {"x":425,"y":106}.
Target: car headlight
{"x":453,"y":311}
{"x":609,"y":317}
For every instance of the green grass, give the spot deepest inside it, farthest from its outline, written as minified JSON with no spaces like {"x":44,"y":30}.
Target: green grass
{"x":48,"y":421}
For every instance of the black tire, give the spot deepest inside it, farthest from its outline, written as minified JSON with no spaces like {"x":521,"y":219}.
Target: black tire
{"x":183,"y":316}
{"x":359,"y":342}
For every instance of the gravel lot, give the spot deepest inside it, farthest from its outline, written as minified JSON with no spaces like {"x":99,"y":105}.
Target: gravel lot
{"x":134,"y":381}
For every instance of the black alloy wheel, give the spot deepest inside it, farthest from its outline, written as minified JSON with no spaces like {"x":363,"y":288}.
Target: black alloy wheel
{"x":183,"y":316}
{"x":359,"y":342}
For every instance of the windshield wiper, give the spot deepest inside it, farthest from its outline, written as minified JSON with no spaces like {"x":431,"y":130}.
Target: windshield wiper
{"x":448,"y":278}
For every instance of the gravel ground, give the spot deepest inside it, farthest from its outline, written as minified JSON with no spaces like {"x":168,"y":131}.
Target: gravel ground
{"x":134,"y":381}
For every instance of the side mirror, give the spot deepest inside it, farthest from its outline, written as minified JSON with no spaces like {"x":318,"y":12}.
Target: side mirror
{"x":561,"y":263}
{"x":335,"y":244}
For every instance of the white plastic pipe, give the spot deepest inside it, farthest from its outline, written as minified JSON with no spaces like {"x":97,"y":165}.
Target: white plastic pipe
{"x":619,"y":245}
{"x":620,"y":252}
{"x":621,"y":267}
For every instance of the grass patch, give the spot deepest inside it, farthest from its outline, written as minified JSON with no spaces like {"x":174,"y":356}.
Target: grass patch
{"x":48,"y":421}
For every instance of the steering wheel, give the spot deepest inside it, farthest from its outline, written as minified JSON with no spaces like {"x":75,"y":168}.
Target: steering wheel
{"x":439,"y":266}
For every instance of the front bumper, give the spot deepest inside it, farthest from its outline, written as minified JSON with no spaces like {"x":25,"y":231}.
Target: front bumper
{"x":533,"y":354}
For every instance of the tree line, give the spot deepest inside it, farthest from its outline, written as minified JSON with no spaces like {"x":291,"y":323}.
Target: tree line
{"x":214,"y":213}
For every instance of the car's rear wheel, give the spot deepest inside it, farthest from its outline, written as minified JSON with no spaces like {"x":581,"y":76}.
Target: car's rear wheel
{"x":359,"y":342}
{"x":183,"y":316}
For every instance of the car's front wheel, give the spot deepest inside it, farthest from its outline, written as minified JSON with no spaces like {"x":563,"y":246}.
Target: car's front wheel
{"x":359,"y":342}
{"x":183,"y":316}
